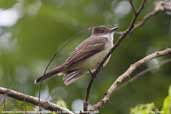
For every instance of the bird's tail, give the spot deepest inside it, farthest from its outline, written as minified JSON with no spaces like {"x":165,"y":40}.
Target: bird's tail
{"x":72,"y":77}
{"x":49,"y":74}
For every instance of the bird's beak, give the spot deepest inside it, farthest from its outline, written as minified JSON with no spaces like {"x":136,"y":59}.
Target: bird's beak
{"x":114,"y":28}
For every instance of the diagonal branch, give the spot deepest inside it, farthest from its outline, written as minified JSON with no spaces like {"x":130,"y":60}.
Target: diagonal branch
{"x":34,"y":100}
{"x":121,"y":38}
{"x":85,"y":105}
{"x":160,"y":6}
{"x":145,"y":19}
{"x":133,"y":7}
{"x":127,"y":75}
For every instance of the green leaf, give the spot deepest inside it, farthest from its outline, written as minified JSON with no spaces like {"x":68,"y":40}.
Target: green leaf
{"x":167,"y":105}
{"x":166,"y":109}
{"x":144,"y":109}
{"x":169,"y":91}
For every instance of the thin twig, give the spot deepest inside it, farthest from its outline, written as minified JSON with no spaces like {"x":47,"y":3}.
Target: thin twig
{"x":34,"y":100}
{"x":146,"y":18}
{"x":122,"y":36}
{"x":85,"y":106}
{"x":150,"y":69}
{"x":133,"y":7}
{"x":158,"y":8}
{"x":127,"y":75}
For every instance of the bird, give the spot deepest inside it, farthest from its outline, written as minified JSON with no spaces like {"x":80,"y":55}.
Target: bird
{"x":86,"y":56}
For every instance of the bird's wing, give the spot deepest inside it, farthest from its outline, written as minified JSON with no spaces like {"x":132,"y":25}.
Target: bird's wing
{"x":86,"y":49}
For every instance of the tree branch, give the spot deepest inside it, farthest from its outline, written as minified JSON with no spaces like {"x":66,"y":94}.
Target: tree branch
{"x":160,"y":6}
{"x":121,"y":38}
{"x":127,"y":75}
{"x":85,"y":105}
{"x":34,"y":100}
{"x":133,"y":7}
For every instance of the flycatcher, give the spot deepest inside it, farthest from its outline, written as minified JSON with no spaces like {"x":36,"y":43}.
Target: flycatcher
{"x":87,"y":56}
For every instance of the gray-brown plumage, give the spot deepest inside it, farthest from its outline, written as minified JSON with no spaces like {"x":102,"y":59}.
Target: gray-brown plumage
{"x":85,"y":57}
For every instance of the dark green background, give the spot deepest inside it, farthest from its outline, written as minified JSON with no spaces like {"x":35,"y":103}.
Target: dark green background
{"x":61,"y":25}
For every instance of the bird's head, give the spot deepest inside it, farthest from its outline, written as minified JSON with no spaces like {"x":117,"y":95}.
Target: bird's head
{"x":100,"y":30}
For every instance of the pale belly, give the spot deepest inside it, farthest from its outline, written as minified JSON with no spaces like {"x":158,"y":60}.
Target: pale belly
{"x":92,"y":62}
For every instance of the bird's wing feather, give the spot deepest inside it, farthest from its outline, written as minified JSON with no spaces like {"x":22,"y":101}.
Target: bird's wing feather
{"x":86,"y":49}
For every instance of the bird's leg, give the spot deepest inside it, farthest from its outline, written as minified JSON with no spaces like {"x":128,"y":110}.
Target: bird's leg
{"x":91,"y":73}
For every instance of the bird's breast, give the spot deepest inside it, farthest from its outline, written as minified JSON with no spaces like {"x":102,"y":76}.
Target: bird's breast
{"x":93,"y":61}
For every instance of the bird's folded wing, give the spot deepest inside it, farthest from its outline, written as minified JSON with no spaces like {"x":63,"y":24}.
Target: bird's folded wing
{"x":86,"y":49}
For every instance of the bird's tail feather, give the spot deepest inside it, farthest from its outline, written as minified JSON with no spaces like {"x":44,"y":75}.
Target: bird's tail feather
{"x":49,"y":74}
{"x":72,"y":77}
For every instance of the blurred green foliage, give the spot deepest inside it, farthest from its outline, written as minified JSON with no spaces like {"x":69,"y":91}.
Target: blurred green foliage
{"x":152,"y":109}
{"x":31,"y":31}
{"x":144,"y":109}
{"x":166,"y":109}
